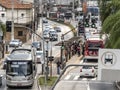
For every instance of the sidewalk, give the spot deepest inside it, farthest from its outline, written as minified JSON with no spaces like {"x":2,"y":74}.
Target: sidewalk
{"x":73,"y":60}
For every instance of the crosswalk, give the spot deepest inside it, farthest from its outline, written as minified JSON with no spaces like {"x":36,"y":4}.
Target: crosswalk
{"x":75,"y":77}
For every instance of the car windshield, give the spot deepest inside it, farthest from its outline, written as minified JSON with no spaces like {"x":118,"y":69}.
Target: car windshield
{"x":15,"y":41}
{"x":90,"y":60}
{"x":52,"y":32}
{"x":87,"y":67}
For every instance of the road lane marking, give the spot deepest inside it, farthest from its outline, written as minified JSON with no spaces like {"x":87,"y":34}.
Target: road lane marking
{"x":93,"y":79}
{"x":76,"y":77}
{"x":84,"y":79}
{"x":67,"y":77}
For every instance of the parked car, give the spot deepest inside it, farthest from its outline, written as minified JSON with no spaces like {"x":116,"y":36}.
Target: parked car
{"x":15,"y":43}
{"x":57,"y":29}
{"x":88,"y":71}
{"x":39,"y":56}
{"x":37,"y":45}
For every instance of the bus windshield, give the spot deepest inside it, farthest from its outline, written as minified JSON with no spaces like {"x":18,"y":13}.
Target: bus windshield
{"x":94,"y":46}
{"x":19,"y":68}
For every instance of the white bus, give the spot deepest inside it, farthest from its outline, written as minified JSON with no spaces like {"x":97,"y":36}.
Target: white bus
{"x":20,"y":68}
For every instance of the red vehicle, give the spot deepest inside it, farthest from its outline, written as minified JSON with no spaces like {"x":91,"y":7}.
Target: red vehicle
{"x":92,"y":46}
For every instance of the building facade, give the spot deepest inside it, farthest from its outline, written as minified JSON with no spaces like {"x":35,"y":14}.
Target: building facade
{"x":21,"y":14}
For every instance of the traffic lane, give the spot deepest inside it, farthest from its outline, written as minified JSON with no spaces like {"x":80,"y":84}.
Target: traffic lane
{"x":84,"y":85}
{"x":73,"y":73}
{"x":71,"y":85}
{"x":97,"y":85}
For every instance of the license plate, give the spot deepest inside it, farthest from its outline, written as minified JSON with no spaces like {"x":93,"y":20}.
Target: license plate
{"x":19,"y":84}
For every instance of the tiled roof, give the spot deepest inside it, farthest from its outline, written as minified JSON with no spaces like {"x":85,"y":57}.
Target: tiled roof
{"x":17,"y":4}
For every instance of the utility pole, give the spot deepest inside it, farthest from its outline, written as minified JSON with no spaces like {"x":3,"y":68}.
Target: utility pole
{"x":12,"y":27}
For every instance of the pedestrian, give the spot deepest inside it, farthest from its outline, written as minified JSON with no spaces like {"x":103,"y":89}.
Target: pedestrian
{"x":78,"y":50}
{"x":58,"y":66}
{"x":83,"y":49}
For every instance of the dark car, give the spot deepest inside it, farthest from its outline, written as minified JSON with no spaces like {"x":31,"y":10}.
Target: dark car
{"x":36,"y":45}
{"x":45,"y":21}
{"x":57,"y":29}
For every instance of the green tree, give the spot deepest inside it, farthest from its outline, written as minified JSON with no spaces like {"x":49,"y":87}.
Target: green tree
{"x":111,"y":24}
{"x":108,"y":7}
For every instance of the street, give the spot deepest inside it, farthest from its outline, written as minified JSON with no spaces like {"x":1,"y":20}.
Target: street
{"x":51,"y":45}
{"x":75,"y":41}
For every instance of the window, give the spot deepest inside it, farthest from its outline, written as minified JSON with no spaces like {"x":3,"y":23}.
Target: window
{"x":2,"y":15}
{"x":22,"y":15}
{"x":20,"y":33}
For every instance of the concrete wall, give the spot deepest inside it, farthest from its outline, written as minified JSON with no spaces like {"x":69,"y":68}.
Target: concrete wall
{"x":24,"y":38}
{"x":110,"y":75}
{"x":17,"y":16}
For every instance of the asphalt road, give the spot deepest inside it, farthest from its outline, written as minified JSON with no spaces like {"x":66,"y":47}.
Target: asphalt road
{"x":71,"y":80}
{"x":84,"y":85}
{"x":55,"y":52}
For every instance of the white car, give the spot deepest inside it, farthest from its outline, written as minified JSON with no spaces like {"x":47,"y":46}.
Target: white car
{"x":15,"y":43}
{"x":88,"y":71}
{"x":53,"y":35}
{"x":46,"y":34}
{"x":39,"y":56}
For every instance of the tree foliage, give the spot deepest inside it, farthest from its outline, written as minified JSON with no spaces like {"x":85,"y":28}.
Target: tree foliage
{"x":111,"y":24}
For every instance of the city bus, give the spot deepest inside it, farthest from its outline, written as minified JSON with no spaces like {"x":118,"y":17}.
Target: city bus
{"x":92,"y":46}
{"x":20,"y":68}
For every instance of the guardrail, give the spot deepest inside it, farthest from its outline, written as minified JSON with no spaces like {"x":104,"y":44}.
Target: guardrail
{"x":117,"y":84}
{"x":66,"y":69}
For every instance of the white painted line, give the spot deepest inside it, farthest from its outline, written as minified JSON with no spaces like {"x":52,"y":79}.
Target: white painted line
{"x":88,"y":86}
{"x":84,"y":79}
{"x":67,"y":77}
{"x":76,"y":77}
{"x":93,"y":79}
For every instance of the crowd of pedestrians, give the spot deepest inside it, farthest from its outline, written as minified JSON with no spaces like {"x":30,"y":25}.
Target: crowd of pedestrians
{"x":70,"y":50}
